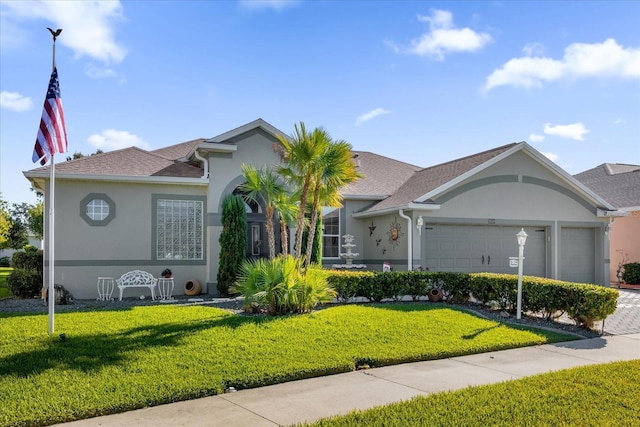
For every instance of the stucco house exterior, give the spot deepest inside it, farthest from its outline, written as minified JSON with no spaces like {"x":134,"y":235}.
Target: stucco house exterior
{"x":135,"y":209}
{"x":619,"y":184}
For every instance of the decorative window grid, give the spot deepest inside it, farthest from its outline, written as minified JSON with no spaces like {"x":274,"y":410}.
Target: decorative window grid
{"x":180,"y":229}
{"x":330,"y":232}
{"x":97,"y":209}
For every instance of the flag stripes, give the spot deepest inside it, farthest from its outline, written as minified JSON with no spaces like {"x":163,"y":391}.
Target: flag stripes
{"x":52,"y":134}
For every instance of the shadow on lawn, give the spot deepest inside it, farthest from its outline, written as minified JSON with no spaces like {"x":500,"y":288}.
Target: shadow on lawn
{"x":92,"y":352}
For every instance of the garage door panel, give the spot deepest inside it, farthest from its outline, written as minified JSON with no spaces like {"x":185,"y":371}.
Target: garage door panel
{"x":485,"y":248}
{"x":577,"y":255}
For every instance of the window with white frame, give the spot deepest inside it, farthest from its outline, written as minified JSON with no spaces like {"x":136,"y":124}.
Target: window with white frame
{"x":330,"y":232}
{"x":97,"y":209}
{"x":179,"y":229}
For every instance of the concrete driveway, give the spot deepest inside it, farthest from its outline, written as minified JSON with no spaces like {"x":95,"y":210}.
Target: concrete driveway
{"x":626,"y":319}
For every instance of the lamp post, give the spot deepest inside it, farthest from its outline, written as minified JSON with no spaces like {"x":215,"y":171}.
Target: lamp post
{"x":522,"y":239}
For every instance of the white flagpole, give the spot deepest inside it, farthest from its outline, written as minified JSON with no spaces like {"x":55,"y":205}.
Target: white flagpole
{"x":52,"y":185}
{"x":52,"y":291}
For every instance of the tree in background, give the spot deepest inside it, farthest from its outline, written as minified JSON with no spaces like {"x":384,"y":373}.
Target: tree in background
{"x":79,"y":155}
{"x":5,"y":224}
{"x":233,"y":242}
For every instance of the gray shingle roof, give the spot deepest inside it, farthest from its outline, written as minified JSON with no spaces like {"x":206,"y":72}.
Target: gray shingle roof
{"x":178,"y":151}
{"x":619,"y":184}
{"x":428,"y":179}
{"x":131,"y":161}
{"x":382,"y":176}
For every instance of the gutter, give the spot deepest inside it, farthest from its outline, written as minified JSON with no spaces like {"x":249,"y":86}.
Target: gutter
{"x":410,"y":240}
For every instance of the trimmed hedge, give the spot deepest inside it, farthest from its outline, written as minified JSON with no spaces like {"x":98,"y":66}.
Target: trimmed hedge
{"x":584,"y":303}
{"x":631,"y":273}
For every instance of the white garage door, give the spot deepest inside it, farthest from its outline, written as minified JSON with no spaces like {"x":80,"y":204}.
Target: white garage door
{"x":482,"y":248}
{"x":577,"y":255}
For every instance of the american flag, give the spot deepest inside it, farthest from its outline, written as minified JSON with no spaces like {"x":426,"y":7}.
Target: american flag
{"x":52,"y":135}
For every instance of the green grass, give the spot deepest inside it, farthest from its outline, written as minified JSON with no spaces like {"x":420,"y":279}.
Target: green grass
{"x":4,"y":273}
{"x":112,"y":361}
{"x":597,"y":395}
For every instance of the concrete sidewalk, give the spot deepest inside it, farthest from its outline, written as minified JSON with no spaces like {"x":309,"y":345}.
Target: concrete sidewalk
{"x":312,"y":399}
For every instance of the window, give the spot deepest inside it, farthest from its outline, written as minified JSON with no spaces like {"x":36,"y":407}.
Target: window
{"x":330,"y":232}
{"x":179,"y":229}
{"x":97,"y":209}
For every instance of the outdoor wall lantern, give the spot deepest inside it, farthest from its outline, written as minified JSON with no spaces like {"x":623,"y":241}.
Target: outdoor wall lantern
{"x":522,"y":239}
{"x":419,"y":224}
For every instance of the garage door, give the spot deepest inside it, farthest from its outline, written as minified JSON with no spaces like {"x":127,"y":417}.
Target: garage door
{"x":577,"y":255}
{"x":482,"y":248}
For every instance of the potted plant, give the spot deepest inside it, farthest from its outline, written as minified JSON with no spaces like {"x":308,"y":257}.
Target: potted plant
{"x":167,"y":274}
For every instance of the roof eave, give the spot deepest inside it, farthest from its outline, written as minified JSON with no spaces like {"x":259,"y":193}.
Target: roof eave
{"x":395,"y":209}
{"x":119,"y":178}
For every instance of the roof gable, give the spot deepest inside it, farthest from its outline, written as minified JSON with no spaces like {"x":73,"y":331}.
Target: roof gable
{"x":427,"y":184}
{"x":227,"y":137}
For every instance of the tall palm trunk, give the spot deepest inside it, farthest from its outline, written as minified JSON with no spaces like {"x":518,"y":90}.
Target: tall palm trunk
{"x":270,"y":232}
{"x":284,"y":238}
{"x":315,"y":207}
{"x":303,"y":202}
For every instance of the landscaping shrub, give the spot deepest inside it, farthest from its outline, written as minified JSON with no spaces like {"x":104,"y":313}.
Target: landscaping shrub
{"x":282,"y":287}
{"x":5,"y":261}
{"x":347,"y":283}
{"x":631,"y":273}
{"x":24,"y":283}
{"x":233,"y":242}
{"x":455,"y":285}
{"x":490,"y":288}
{"x":28,"y":260}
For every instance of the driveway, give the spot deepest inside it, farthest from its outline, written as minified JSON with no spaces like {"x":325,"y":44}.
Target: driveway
{"x":626,"y":319}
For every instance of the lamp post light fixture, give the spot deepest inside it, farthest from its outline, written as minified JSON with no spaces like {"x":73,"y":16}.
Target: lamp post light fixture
{"x":522,"y":239}
{"x":419,"y":224}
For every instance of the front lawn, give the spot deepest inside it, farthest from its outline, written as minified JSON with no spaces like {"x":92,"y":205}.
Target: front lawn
{"x":113,"y":361}
{"x":4,"y":273}
{"x":597,"y":395}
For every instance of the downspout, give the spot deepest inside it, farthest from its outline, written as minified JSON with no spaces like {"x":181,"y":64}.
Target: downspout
{"x":410,"y":240}
{"x":205,"y":163}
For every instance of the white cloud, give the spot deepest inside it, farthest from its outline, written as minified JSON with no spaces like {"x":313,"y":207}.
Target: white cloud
{"x":551,"y":156}
{"x":573,"y":131}
{"x":536,"y":138}
{"x":277,"y":5}
{"x":88,"y":26}
{"x":97,"y":72}
{"x":14,"y":101}
{"x":443,"y":38}
{"x":371,"y":115}
{"x":607,"y":59}
{"x":619,"y":121}
{"x":533,"y":49}
{"x":111,"y":139}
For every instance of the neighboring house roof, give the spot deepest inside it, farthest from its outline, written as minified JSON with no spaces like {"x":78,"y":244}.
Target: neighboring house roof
{"x":619,"y":184}
{"x":382,"y":176}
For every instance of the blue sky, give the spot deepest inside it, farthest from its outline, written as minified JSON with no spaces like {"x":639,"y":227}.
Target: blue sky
{"x":421,"y":81}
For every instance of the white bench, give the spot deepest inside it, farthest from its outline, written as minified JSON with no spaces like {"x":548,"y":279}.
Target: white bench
{"x":137,"y":279}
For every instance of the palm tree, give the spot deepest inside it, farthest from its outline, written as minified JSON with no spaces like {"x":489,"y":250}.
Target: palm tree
{"x":301,"y":154}
{"x":334,"y":169}
{"x":263,"y":185}
{"x":287,"y":209}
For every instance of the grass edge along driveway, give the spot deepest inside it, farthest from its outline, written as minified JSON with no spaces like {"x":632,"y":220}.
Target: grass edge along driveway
{"x":118,"y":360}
